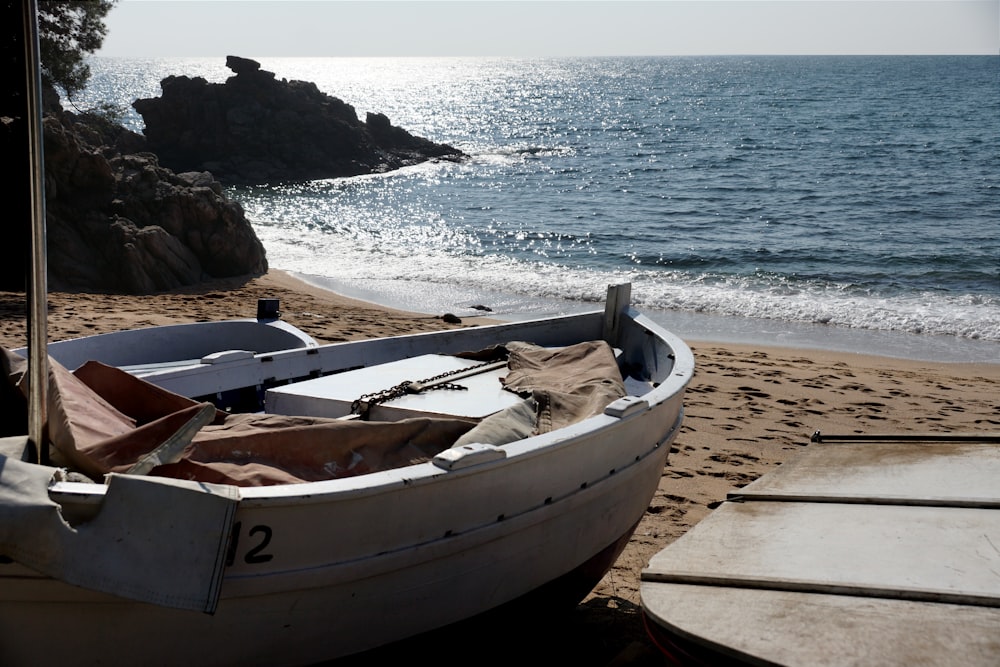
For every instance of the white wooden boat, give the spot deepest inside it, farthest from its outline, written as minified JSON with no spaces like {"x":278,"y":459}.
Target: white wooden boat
{"x":294,"y":573}
{"x":277,"y":539}
{"x":878,"y":550}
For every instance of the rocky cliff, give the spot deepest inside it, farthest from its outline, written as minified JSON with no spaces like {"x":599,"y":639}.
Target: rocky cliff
{"x":118,"y":221}
{"x":255,"y":129}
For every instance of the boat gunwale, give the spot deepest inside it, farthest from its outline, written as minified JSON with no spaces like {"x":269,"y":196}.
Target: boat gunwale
{"x":423,"y":338}
{"x":386,"y":481}
{"x":282,"y":330}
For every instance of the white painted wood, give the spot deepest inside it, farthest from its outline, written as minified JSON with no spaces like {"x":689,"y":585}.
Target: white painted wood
{"x":783,"y":628}
{"x":616,"y":303}
{"x":333,"y":395}
{"x":175,"y":343}
{"x":928,"y":553}
{"x":625,"y":406}
{"x":853,"y":553}
{"x":957,"y":473}
{"x":475,"y":453}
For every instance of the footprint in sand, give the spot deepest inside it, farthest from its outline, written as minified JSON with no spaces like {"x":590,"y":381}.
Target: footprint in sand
{"x":753,"y":391}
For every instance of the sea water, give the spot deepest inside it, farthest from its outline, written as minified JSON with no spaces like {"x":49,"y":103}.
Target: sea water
{"x":849,"y":203}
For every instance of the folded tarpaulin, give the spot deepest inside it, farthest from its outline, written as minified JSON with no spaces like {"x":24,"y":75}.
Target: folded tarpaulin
{"x":561,"y":386}
{"x":156,"y":540}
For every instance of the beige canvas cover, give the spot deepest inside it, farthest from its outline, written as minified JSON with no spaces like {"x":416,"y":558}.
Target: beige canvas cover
{"x":158,"y":540}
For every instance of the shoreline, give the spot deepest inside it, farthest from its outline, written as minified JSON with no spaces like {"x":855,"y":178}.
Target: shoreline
{"x":748,"y":409}
{"x":724,"y":329}
{"x":367,"y":313}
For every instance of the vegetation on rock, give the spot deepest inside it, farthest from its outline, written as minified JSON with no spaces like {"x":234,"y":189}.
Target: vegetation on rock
{"x":67,"y":33}
{"x":115,"y":219}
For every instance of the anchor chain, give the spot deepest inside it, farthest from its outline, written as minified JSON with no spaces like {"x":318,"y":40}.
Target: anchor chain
{"x":364,"y":403}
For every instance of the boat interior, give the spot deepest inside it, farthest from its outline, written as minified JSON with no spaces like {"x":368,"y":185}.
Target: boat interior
{"x":102,"y":419}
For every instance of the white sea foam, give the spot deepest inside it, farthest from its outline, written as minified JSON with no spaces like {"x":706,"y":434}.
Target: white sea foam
{"x":438,"y":283}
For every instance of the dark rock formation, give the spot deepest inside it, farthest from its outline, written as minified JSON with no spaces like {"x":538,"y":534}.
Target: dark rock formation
{"x":255,"y":129}
{"x":118,"y":221}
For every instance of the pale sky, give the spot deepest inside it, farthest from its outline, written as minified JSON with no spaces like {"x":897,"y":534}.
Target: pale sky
{"x":259,"y":28}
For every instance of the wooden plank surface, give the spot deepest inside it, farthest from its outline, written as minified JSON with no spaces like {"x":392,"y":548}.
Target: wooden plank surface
{"x":881,"y":553}
{"x":332,"y":395}
{"x":779,"y":627}
{"x":916,"y":553}
{"x":960,"y":474}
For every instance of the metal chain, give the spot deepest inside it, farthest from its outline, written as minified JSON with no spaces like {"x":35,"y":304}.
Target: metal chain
{"x":363,"y":403}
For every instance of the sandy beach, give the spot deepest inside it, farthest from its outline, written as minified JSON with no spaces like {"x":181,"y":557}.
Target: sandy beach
{"x":748,"y":410}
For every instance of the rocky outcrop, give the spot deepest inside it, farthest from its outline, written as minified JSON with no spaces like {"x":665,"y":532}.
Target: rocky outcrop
{"x":254,"y":129}
{"x":118,"y":221}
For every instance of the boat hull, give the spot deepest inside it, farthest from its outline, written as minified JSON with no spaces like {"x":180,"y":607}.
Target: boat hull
{"x":346,"y":604}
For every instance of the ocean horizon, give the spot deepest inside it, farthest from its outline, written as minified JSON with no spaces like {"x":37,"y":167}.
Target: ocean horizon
{"x":848,"y":203}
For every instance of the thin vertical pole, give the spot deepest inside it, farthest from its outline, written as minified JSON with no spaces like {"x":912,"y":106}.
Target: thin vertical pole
{"x":38,"y":366}
{"x":618,"y":299}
